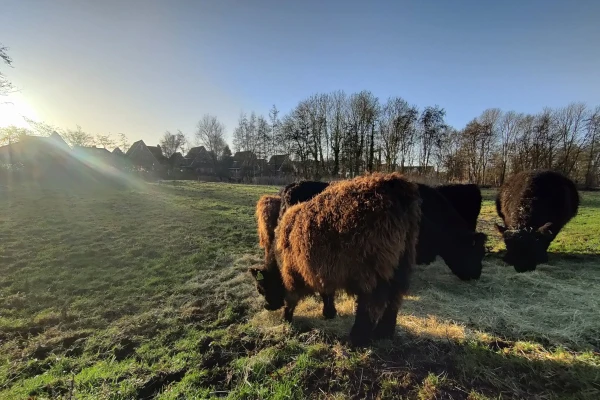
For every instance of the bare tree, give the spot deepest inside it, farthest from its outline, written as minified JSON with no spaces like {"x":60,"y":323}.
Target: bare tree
{"x":41,"y":128}
{"x":337,"y":111}
{"x":13,"y":134}
{"x":245,"y":136}
{"x":123,"y":142}
{"x":77,"y":137}
{"x":450,"y":154}
{"x":6,"y":86}
{"x":592,"y":142}
{"x":105,"y":141}
{"x":509,"y":126}
{"x":569,"y":124}
{"x":545,"y":141}
{"x":263,"y":137}
{"x":210,"y":134}
{"x":432,"y":123}
{"x":172,"y":143}
{"x":522,"y":154}
{"x":362,"y":116}
{"x":489,"y":121}
{"x":276,"y":144}
{"x":315,"y":108}
{"x":397,"y":126}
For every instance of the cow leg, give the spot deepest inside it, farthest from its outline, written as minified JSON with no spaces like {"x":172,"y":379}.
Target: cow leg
{"x":398,"y":288}
{"x":387,"y":324}
{"x":369,"y":308}
{"x":329,"y":311}
{"x":291,"y":301}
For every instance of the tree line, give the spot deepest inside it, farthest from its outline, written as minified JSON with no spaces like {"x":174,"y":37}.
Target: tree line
{"x":334,"y":134}
{"x":338,"y":134}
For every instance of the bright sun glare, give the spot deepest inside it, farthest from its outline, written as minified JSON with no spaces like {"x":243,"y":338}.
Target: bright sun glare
{"x":12,"y":110}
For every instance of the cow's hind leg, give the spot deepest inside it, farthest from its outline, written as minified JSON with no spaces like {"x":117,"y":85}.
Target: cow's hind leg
{"x":369,"y":309}
{"x":387,"y":324}
{"x":398,"y":288}
{"x":329,"y":311}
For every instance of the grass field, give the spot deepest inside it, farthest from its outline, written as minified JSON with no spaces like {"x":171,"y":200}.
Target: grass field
{"x":142,"y":293}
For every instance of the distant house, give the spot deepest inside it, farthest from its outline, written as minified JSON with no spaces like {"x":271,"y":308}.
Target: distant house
{"x":280,"y":164}
{"x":199,"y":160}
{"x":141,"y":156}
{"x":158,"y":154}
{"x":118,"y":152}
{"x":261,"y":166}
{"x":244,"y":164}
{"x":35,"y":150}
{"x":177,"y":160}
{"x":94,"y":154}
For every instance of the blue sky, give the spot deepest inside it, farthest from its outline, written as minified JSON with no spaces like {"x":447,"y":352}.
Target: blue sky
{"x":142,"y":67}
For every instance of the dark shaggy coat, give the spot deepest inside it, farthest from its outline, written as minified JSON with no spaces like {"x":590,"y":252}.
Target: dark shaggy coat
{"x":466,"y":200}
{"x":299,"y":192}
{"x":353,"y":236}
{"x":445,"y":233}
{"x":534,"y":206}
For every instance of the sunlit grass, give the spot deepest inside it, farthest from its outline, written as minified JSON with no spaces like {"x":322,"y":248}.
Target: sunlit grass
{"x":142,"y":291}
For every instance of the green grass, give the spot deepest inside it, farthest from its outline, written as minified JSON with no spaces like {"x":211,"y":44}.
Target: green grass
{"x":142,"y":293}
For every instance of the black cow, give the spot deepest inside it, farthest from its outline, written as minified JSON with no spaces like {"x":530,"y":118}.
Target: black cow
{"x":299,"y":192}
{"x":535,"y":206}
{"x":445,"y":233}
{"x":466,"y":200}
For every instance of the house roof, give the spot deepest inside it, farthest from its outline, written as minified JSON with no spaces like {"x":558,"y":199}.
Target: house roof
{"x":134,"y":147}
{"x":278,"y":159}
{"x":141,"y":155}
{"x":156,"y":152}
{"x":261,"y":162}
{"x":177,"y":159}
{"x":32,"y":146}
{"x":118,"y":151}
{"x":195,"y":151}
{"x":96,"y":150}
{"x":244,"y":156}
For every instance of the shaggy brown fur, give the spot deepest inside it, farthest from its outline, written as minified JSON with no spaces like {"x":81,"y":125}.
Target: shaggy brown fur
{"x":267,"y":209}
{"x":353,"y":236}
{"x":267,"y":213}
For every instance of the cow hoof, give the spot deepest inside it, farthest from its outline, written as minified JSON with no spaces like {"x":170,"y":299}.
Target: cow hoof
{"x":359,"y":339}
{"x":383,"y":333}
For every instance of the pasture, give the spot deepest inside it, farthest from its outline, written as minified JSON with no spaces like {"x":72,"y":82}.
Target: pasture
{"x":143,"y":293}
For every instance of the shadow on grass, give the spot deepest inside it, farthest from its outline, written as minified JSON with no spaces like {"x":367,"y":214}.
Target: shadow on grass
{"x":557,"y":258}
{"x":493,"y":366}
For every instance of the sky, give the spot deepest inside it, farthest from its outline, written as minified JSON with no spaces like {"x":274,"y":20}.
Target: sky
{"x":142,"y":67}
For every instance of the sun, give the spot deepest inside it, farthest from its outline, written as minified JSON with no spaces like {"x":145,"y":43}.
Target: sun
{"x":12,"y":110}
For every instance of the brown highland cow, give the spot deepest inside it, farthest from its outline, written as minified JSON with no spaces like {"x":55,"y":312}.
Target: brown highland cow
{"x":357,"y":235}
{"x":269,"y":207}
{"x":267,"y":213}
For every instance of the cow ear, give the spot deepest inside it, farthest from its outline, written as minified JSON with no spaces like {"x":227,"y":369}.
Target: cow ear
{"x":545,"y":229}
{"x":501,"y":229}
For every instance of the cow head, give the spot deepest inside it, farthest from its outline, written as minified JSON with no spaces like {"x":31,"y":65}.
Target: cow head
{"x":464,"y":255}
{"x":526,"y":248}
{"x":270,"y":285}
